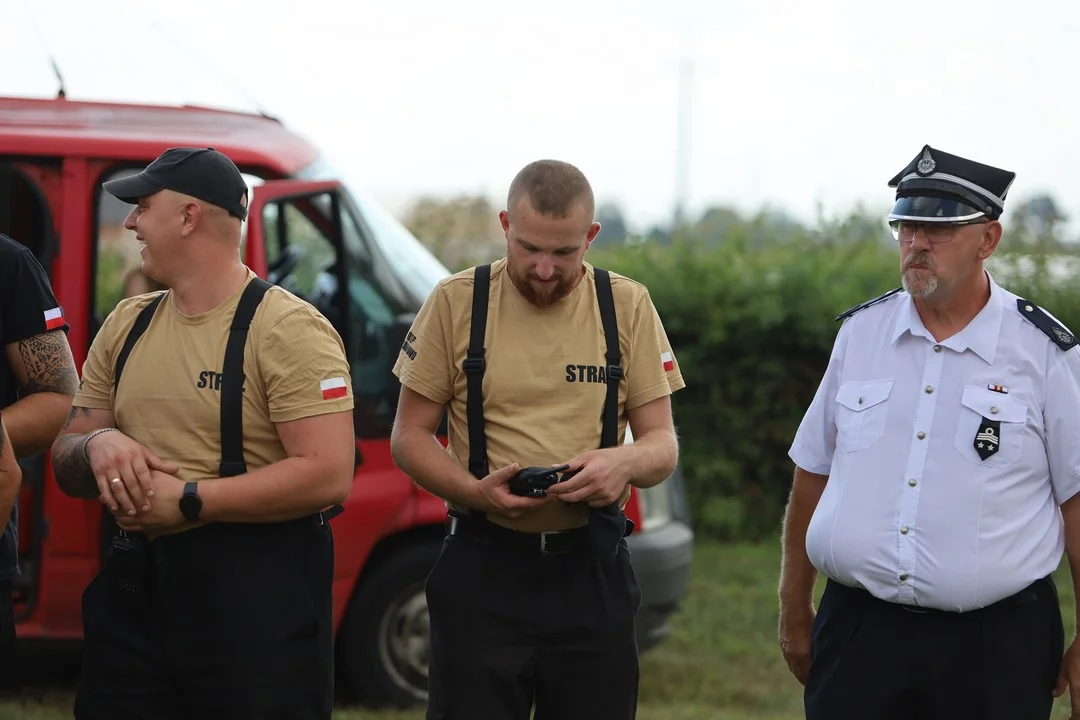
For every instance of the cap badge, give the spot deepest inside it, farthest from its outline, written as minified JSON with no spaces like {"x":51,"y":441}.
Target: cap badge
{"x":926,"y":163}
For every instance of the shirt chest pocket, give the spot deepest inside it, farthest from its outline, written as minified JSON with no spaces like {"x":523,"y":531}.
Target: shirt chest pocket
{"x":862,"y":408}
{"x":991,"y":428}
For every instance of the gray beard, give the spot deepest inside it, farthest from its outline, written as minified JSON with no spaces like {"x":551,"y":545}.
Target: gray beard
{"x":918,"y":287}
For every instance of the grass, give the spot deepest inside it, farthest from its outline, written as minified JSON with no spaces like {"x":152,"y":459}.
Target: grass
{"x":722,"y":661}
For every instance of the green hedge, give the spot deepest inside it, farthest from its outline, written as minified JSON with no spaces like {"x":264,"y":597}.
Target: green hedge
{"x":752,"y":324}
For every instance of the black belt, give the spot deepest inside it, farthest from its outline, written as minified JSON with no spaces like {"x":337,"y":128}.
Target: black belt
{"x":478,"y":527}
{"x":1028,"y":594}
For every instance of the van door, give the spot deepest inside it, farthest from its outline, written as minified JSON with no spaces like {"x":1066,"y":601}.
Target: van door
{"x":30,"y":192}
{"x":307,"y":236}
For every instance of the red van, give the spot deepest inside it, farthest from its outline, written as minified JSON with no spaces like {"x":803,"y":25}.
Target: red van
{"x":329,"y":243}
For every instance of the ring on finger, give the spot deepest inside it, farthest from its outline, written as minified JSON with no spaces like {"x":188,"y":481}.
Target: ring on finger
{"x":115,"y":481}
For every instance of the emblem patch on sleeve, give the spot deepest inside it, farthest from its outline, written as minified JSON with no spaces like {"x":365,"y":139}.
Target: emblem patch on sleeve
{"x":988,"y":438}
{"x":333,"y":388}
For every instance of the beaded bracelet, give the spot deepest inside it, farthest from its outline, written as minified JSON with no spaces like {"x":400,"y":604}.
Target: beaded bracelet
{"x":91,"y":436}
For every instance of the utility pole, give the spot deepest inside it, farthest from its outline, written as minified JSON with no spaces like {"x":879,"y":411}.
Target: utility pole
{"x":683,"y":134}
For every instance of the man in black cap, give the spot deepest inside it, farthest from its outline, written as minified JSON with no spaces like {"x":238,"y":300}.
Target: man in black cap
{"x":935,"y":481}
{"x":215,"y":422}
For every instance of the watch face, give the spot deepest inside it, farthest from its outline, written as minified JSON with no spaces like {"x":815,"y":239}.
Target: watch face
{"x":190,"y":505}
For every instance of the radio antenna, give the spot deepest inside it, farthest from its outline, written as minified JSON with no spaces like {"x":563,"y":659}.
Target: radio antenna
{"x":61,"y":91}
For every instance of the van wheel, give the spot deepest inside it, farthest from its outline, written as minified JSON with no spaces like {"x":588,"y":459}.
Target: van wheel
{"x":383,"y":655}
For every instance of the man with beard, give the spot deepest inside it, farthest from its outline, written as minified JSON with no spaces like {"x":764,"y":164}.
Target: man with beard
{"x":935,"y":482}
{"x":539,"y":360}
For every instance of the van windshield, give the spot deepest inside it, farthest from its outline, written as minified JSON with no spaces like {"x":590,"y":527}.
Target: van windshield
{"x":412,"y":263}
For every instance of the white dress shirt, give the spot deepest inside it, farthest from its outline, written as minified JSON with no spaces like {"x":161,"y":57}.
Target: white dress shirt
{"x":911,"y":512}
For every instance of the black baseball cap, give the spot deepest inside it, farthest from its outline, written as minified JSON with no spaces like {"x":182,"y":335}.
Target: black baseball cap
{"x":202,"y":173}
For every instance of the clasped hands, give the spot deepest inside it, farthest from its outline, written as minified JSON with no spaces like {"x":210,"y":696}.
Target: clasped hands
{"x":596,"y":477}
{"x":139,"y":488}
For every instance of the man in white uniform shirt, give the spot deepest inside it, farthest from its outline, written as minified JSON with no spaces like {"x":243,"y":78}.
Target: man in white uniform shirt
{"x":936,"y":471}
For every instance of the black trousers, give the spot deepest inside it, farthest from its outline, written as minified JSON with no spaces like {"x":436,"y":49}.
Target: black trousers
{"x":873,"y":659}
{"x":511,"y":627}
{"x":237,"y":624}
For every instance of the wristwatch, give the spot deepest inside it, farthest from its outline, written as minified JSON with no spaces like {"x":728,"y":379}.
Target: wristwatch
{"x":190,"y":503}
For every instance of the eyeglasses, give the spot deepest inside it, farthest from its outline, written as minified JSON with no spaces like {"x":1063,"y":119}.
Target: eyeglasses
{"x":905,"y":230}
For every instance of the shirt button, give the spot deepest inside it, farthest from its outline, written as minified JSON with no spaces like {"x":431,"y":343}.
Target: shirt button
{"x":994,"y":410}
{"x":912,"y":482}
{"x":903,"y":577}
{"x":904,"y":530}
{"x":937,"y":348}
{"x":921,"y":435}
{"x":929,"y":389}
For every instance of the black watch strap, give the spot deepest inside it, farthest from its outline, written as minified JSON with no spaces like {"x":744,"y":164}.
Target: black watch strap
{"x":190,"y":502}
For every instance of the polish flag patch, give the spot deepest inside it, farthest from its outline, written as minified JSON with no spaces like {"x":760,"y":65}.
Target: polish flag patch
{"x":54,"y":318}
{"x":669,"y":364}
{"x":333,"y":388}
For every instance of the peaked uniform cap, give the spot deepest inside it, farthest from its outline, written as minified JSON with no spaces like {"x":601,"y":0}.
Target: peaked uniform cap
{"x":939,"y":187}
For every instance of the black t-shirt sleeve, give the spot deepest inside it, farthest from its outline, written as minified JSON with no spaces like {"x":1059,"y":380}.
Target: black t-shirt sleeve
{"x":28,"y":306}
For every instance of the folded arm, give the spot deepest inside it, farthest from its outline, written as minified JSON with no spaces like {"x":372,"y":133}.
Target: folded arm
{"x":70,"y":466}
{"x":47,"y":378}
{"x":10,"y":473}
{"x":317,"y":473}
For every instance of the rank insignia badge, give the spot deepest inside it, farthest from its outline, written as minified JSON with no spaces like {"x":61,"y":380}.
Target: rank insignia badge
{"x":988,"y":438}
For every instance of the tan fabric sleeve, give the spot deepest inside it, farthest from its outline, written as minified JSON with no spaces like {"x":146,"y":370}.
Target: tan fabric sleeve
{"x":304,"y":367}
{"x":96,"y":384}
{"x":426,"y":359}
{"x":646,"y":377}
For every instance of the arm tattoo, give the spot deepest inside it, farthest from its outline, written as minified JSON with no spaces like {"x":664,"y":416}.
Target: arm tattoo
{"x":75,"y":412}
{"x":49,"y":367}
{"x":72,"y":472}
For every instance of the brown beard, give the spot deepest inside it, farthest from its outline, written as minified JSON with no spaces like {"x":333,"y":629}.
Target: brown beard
{"x":541,"y":298}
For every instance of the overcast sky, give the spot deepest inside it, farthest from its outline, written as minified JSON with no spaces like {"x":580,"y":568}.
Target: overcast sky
{"x":794,"y":104}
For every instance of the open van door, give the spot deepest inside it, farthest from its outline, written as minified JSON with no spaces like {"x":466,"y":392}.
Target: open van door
{"x":294,"y":239}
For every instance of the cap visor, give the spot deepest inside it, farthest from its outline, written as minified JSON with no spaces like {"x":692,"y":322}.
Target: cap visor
{"x":129,"y":189}
{"x":932,"y":209}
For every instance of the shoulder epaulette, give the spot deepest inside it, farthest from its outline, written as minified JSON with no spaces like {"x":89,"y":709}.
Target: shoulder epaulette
{"x":862,"y":306}
{"x":1050,"y":327}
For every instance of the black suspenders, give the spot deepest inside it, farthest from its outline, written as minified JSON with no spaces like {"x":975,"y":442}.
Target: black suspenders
{"x":474,"y":367}
{"x":475,"y":364}
{"x":232,"y":375}
{"x":232,"y":381}
{"x":609,"y":436}
{"x":137,"y":329}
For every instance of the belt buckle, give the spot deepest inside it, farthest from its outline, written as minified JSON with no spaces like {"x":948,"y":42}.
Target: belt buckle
{"x":543,"y":543}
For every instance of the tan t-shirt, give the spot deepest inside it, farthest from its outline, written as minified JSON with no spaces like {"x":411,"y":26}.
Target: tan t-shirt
{"x":169,"y":393}
{"x":543,"y":388}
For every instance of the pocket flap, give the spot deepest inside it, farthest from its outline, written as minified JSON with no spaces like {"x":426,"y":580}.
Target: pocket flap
{"x":994,"y":405}
{"x":859,"y":396}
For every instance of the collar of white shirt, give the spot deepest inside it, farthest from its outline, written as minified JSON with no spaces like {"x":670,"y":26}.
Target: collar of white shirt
{"x":980,"y":336}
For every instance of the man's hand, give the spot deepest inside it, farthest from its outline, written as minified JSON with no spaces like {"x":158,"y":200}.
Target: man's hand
{"x":796,"y":629}
{"x":1069,"y":678}
{"x":165,"y":513}
{"x":122,"y":469}
{"x":492,"y":494}
{"x":598,"y":479}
